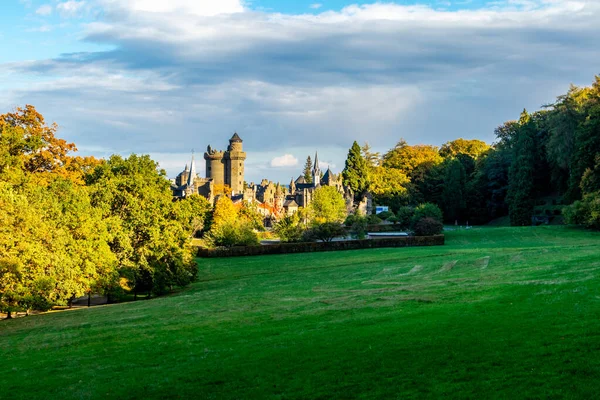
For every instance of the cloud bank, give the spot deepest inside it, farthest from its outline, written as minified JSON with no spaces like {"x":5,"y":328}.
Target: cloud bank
{"x":182,"y":74}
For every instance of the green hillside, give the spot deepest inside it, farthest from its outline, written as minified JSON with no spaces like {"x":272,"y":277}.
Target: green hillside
{"x":496,"y":313}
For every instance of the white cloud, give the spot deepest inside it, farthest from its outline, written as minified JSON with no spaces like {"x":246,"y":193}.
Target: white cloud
{"x":44,"y":10}
{"x":316,"y":6}
{"x":286,"y":160}
{"x":196,"y":7}
{"x":71,"y":8}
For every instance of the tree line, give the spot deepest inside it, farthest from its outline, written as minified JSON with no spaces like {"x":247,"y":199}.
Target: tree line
{"x":552,"y":152}
{"x":71,"y":226}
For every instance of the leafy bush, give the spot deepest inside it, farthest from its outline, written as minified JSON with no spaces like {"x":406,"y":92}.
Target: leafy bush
{"x":350,"y":219}
{"x":385,"y":215}
{"x":289,"y":229}
{"x":585,"y":212}
{"x":373,"y":220}
{"x":393,"y":220}
{"x":231,"y":234}
{"x":427,"y":210}
{"x":324,"y":232}
{"x":359,"y":227}
{"x":428,"y":226}
{"x":405,"y":216}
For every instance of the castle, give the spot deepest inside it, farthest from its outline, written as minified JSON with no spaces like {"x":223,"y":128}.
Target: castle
{"x":225,"y":169}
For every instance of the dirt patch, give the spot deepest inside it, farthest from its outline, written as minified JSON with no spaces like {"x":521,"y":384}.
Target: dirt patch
{"x":448,"y":266}
{"x":415,"y":269}
{"x":515,"y":258}
{"x":483,"y":262}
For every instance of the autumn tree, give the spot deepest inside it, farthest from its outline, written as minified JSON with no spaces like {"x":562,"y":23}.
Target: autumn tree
{"x":373,"y":158}
{"x":25,"y":135}
{"x":473,"y":148}
{"x":327,"y":205}
{"x":151,"y":241}
{"x":406,"y":158}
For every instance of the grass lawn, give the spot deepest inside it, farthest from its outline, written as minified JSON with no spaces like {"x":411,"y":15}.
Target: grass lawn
{"x":496,"y":313}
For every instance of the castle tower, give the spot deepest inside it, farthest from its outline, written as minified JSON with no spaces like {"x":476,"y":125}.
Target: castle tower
{"x":234,"y":164}
{"x":215,"y":165}
{"x":316,"y":173}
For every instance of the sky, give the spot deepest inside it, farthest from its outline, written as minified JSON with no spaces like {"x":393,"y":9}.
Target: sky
{"x":166,"y":78}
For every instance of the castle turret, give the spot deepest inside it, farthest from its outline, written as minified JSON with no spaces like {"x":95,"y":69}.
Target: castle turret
{"x":215,"y":165}
{"x":234,"y":164}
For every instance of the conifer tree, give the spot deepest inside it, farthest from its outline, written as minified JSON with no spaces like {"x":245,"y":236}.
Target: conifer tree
{"x":356,"y":171}
{"x":308,"y":170}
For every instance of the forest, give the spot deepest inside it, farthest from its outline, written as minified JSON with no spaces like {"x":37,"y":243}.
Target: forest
{"x":552,"y":153}
{"x":71,"y":226}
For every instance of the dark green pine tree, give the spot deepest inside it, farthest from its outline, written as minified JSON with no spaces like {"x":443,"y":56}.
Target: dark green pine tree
{"x":454,"y":194}
{"x":521,"y":173}
{"x":356,"y":172}
{"x":308,"y":170}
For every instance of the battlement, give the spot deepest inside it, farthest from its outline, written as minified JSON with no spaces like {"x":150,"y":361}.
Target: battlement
{"x":214,"y":155}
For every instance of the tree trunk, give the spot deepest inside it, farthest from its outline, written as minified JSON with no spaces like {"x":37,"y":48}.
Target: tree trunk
{"x":89,"y":299}
{"x":9,"y":315}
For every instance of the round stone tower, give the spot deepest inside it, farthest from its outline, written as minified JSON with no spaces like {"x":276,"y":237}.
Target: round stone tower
{"x":234,"y":164}
{"x":215,"y":166}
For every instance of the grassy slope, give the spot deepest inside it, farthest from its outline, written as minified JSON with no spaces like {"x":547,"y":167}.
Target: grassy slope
{"x":339,"y":325}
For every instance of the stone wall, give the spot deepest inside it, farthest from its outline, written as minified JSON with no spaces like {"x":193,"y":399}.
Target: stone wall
{"x":290,"y":248}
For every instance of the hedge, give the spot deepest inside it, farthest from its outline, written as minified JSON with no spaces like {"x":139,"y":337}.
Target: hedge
{"x":289,"y":248}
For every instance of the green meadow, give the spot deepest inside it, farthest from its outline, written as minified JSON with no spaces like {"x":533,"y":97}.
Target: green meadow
{"x":495,"y":313}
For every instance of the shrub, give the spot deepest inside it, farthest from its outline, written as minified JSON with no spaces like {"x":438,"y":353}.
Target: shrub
{"x":405,"y":216}
{"x":350,"y":219}
{"x":427,"y":210}
{"x":585,"y":212}
{"x":324,"y":232}
{"x":373,"y":220}
{"x":385,"y":215}
{"x":393,"y":220}
{"x":231,"y":234}
{"x":359,"y":227}
{"x":289,"y":229}
{"x":428,"y":226}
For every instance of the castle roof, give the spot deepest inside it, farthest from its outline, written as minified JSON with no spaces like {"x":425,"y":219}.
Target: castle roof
{"x":328,"y":177}
{"x":290,"y":203}
{"x":235,"y":138}
{"x":300,"y":180}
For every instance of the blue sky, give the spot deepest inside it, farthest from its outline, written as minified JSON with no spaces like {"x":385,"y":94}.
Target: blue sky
{"x":163,"y":77}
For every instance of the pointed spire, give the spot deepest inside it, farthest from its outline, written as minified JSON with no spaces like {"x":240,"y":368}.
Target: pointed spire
{"x":235,"y":138}
{"x":192,"y":175}
{"x":316,"y":171}
{"x":187,"y":168}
